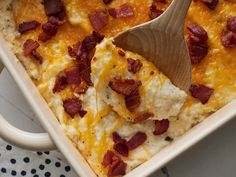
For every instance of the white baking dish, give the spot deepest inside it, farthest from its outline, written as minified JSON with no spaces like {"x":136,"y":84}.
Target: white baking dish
{"x":57,"y":139}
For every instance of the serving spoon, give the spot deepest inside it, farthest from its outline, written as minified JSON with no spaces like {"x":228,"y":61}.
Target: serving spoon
{"x":162,"y":42}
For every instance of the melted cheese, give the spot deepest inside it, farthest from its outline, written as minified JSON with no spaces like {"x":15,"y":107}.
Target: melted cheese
{"x":158,"y":95}
{"x":92,"y":134}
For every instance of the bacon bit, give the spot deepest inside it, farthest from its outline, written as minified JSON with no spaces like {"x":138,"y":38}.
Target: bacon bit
{"x":117,"y":168}
{"x":161,"y":126}
{"x":85,"y":70}
{"x":54,"y":8}
{"x":108,"y":158}
{"x":197,"y":52}
{"x":138,"y":139}
{"x":231,"y":24}
{"x":115,"y":164}
{"x":124,"y":86}
{"x":50,"y":29}
{"x":132,"y":101}
{"x":73,"y":106}
{"x":82,"y":87}
{"x":121,"y":53}
{"x":60,"y":83}
{"x":117,"y":138}
{"x":72,"y":50}
{"x":228,"y":39}
{"x":211,"y":4}
{"x":125,"y":10}
{"x":80,"y":51}
{"x":197,"y":45}
{"x":73,"y":76}
{"x":143,"y":117}
{"x":154,"y":12}
{"x":122,"y":149}
{"x":98,"y":19}
{"x":36,"y":56}
{"x":134,"y":66}
{"x":76,"y":78}
{"x":27,"y":26}
{"x":30,"y":46}
{"x":107,"y":1}
{"x":201,"y":92}
{"x":197,"y":33}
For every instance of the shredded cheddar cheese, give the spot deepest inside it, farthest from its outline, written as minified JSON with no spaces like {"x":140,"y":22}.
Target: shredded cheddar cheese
{"x":106,"y":110}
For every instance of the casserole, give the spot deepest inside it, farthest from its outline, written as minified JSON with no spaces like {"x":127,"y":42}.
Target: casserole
{"x":34,"y":95}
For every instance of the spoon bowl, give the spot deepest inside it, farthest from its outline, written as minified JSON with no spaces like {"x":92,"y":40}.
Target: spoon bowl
{"x":162,"y":42}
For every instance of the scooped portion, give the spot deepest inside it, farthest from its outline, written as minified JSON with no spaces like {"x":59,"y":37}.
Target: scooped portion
{"x":133,"y":86}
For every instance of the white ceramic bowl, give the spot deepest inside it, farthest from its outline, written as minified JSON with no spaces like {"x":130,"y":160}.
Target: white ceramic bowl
{"x":56,"y":138}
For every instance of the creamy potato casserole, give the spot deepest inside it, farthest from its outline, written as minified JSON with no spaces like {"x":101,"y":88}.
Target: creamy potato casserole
{"x":116,"y":107}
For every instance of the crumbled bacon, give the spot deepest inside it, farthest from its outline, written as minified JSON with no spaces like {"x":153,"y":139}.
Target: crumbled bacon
{"x":72,"y":50}
{"x":154,"y":12}
{"x":201,"y":92}
{"x":117,"y":169}
{"x":75,"y":79}
{"x":197,"y":43}
{"x":98,"y":19}
{"x":197,"y":33}
{"x":60,"y":83}
{"x":117,"y":138}
{"x":198,"y":52}
{"x":122,"y":149}
{"x":143,"y":117}
{"x":108,"y":158}
{"x":134,"y":66}
{"x":85,"y":70}
{"x":115,"y":164}
{"x":125,"y":10}
{"x":231,"y":24}
{"x":50,"y":29}
{"x":132,"y":101}
{"x":27,"y":26}
{"x":107,"y":1}
{"x":82,"y":87}
{"x":210,"y":3}
{"x":36,"y":56}
{"x":228,"y":39}
{"x":73,"y":106}
{"x":161,"y":126}
{"x":55,"y":8}
{"x":29,"y":46}
{"x":138,"y":139}
{"x":81,"y":51}
{"x":124,"y":86}
{"x":73,"y":76}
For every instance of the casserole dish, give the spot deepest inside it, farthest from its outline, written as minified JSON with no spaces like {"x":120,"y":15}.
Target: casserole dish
{"x":62,"y":142}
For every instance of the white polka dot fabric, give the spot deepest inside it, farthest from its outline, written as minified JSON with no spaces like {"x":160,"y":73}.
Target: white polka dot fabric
{"x":16,"y":162}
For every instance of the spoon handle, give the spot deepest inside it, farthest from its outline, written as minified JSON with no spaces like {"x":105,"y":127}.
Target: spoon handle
{"x":173,"y":18}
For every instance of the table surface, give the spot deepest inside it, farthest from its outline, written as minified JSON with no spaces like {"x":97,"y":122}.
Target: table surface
{"x":215,"y":156}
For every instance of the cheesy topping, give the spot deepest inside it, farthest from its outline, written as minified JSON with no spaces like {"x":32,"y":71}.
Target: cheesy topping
{"x":158,"y":95}
{"x":92,"y":134}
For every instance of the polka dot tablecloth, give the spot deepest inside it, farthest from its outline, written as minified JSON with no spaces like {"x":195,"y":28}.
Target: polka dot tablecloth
{"x":22,"y":163}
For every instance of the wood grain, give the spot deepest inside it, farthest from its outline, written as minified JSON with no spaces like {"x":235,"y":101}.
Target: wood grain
{"x":162,"y":42}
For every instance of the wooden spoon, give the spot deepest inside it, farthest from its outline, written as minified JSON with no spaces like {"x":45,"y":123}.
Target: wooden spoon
{"x":162,"y":42}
